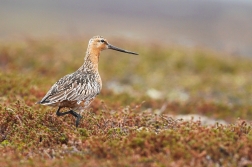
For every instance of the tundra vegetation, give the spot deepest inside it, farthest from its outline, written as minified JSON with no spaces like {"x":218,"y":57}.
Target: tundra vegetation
{"x":132,"y":122}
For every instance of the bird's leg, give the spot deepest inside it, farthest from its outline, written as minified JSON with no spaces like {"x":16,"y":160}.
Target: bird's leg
{"x":58,"y":113}
{"x":78,"y":116}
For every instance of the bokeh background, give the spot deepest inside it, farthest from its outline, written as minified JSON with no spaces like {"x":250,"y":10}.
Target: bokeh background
{"x":185,"y":100}
{"x":223,"y":25}
{"x":190,"y":51}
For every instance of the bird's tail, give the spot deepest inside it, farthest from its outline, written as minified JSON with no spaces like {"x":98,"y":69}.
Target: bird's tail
{"x":43,"y":102}
{"x":38,"y":102}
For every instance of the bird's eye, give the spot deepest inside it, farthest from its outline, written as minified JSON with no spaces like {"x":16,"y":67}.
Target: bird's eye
{"x":102,"y":41}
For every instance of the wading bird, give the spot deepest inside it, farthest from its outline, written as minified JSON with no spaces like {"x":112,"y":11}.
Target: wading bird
{"x":77,"y":90}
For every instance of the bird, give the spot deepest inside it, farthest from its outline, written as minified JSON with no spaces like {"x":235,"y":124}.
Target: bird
{"x":77,"y":90}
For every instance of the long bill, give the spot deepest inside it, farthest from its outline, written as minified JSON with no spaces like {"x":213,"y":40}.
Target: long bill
{"x":120,"y":50}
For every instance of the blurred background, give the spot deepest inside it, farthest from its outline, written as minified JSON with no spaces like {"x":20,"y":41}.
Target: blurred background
{"x":194,"y":56}
{"x":224,"y":25}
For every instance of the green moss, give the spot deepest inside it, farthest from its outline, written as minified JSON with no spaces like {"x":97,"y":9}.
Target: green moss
{"x":5,"y":143}
{"x":83,"y":132}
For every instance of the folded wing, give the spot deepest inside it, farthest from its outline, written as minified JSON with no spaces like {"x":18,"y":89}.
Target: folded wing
{"x":72,"y":87}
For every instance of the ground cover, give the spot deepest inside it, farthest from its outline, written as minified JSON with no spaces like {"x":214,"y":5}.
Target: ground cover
{"x":130,"y":123}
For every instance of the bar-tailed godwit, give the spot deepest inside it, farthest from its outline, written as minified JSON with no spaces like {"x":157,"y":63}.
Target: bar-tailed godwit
{"x":77,"y":90}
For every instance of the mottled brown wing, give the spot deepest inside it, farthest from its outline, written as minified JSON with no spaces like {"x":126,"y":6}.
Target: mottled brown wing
{"x":72,"y":87}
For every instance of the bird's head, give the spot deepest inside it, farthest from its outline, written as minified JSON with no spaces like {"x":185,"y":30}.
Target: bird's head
{"x":98,"y":44}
